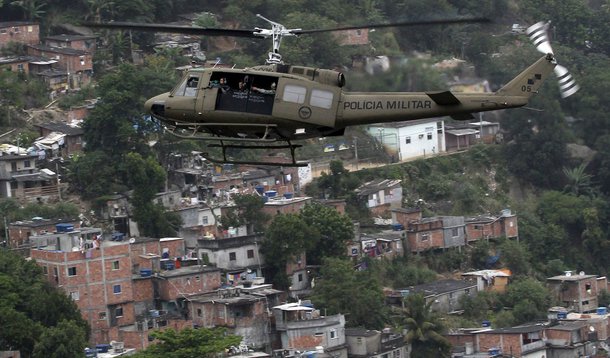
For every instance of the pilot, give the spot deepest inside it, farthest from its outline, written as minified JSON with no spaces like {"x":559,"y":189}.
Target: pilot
{"x":265,"y":91}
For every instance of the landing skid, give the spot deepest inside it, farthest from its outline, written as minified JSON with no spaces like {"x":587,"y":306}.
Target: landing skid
{"x":226,"y":160}
{"x":194,"y":131}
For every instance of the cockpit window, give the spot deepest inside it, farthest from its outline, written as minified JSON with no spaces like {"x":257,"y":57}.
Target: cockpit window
{"x":188,"y":87}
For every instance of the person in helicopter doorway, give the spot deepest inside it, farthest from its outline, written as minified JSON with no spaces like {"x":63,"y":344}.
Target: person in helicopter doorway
{"x":265,"y":91}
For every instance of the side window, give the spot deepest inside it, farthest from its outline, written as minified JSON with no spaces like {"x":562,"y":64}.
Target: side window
{"x":295,"y":94}
{"x":188,"y":87}
{"x":322,"y":99}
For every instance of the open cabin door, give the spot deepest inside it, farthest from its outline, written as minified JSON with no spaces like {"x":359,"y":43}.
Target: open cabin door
{"x":238,"y":92}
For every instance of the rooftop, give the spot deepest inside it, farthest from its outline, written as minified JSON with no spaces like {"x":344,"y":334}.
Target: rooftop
{"x":441,"y":286}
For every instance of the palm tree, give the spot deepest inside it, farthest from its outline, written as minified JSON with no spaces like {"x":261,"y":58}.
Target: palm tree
{"x":33,"y":9}
{"x":424,"y":329}
{"x":579,"y":182}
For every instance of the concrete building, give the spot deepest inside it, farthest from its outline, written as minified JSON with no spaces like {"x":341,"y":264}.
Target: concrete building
{"x":412,"y":139}
{"x":243,"y":309}
{"x":238,"y":257}
{"x":76,"y":42}
{"x":21,"y":179}
{"x":364,"y":343}
{"x":381,"y":195}
{"x":445,"y":294}
{"x":577,"y":292}
{"x":301,"y":327}
{"x":19,"y":232}
{"x":488,"y":280}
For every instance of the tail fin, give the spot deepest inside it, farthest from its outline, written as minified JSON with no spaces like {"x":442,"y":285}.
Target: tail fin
{"x":529,"y":81}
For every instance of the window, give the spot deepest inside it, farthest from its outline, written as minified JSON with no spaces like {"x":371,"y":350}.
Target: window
{"x":322,"y":99}
{"x":118,"y":312}
{"x":199,"y":312}
{"x":26,"y":164}
{"x":300,"y":277}
{"x":204,"y":220}
{"x":408,"y":140}
{"x":197,"y":278}
{"x":221,"y":312}
{"x":45,"y":270}
{"x":425,"y":236}
{"x":397,"y":353}
{"x":294,"y":94}
{"x":72,"y":271}
{"x":101,"y":315}
{"x":13,"y":166}
{"x":115,"y":265}
{"x":250,"y":254}
{"x":75,"y":295}
{"x":429,"y":136}
{"x":116,"y":289}
{"x":333,"y":334}
{"x":232,"y":256}
{"x":455,"y":232}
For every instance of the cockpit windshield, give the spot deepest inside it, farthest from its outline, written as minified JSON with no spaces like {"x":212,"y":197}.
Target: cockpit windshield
{"x":188,"y":87}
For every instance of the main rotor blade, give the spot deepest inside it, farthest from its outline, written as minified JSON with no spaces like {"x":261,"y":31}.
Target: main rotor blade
{"x":399,"y":24}
{"x":187,"y":30}
{"x":256,"y":33}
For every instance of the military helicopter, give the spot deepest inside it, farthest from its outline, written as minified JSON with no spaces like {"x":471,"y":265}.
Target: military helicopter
{"x":270,"y":106}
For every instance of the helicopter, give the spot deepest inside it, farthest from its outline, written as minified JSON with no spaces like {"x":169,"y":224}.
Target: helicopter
{"x":272,"y":105}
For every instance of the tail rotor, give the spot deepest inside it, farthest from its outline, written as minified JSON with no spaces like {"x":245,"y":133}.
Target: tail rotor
{"x":538,"y":33}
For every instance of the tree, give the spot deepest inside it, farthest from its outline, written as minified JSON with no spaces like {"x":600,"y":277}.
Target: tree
{"x":356,"y":294}
{"x":424,"y":329}
{"x":529,"y":298}
{"x":32,"y":311}
{"x":248,"y":211}
{"x":287,"y":237}
{"x":66,"y":339}
{"x":335,"y":230}
{"x":189,"y":343}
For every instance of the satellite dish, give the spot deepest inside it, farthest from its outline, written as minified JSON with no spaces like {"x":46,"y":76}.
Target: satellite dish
{"x":582,"y":273}
{"x":591,"y":329}
{"x":132,"y":240}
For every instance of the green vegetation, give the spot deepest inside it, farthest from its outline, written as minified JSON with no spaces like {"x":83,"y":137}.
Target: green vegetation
{"x":36,"y":318}
{"x":189,"y":343}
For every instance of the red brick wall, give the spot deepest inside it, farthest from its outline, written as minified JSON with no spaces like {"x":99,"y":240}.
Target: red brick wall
{"x":477,"y":231}
{"x":506,"y":342}
{"x":21,"y":34}
{"x":434,"y":229}
{"x":405,"y":218}
{"x":508,"y":230}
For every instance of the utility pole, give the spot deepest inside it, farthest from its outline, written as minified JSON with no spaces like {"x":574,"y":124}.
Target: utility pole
{"x":356,"y":150}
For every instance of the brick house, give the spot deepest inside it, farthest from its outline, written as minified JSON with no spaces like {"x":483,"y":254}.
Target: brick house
{"x":570,"y":339}
{"x":521,"y":341}
{"x":577,"y":292}
{"x":17,"y":64}
{"x":59,"y":139}
{"x":124,"y":289}
{"x":404,"y":216}
{"x":17,"y":31}
{"x":76,"y":42}
{"x":282,"y":205}
{"x":485,"y":227}
{"x":426,"y":234}
{"x":77,"y":64}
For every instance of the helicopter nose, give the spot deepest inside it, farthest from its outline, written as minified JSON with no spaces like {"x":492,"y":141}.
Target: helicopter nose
{"x":156,"y":105}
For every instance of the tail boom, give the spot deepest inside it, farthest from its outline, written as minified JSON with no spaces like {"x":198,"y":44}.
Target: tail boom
{"x":367,"y":108}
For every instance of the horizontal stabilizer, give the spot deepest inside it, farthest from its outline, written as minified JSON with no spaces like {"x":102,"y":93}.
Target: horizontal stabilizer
{"x":445,"y":98}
